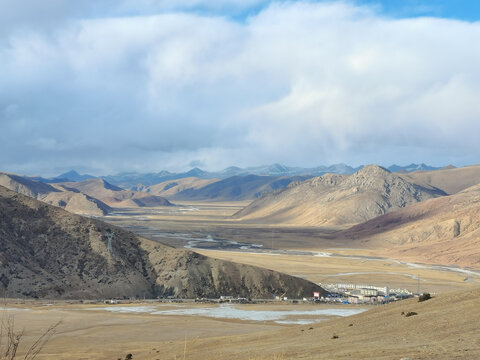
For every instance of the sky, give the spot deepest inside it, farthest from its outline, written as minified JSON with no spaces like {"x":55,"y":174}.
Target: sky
{"x":146,"y":85}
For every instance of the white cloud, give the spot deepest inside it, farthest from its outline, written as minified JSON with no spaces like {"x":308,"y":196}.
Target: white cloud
{"x":300,"y":83}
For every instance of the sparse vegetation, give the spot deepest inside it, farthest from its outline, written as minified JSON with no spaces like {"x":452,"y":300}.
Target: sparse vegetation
{"x":273,"y":357}
{"x":11,"y":339}
{"x":424,"y":297}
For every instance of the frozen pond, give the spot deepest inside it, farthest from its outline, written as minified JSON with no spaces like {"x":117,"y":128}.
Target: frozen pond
{"x":194,"y":240}
{"x":7,"y":309}
{"x":227,"y":311}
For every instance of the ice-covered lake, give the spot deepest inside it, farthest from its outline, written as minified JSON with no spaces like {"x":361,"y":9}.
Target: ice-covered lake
{"x":228,"y":311}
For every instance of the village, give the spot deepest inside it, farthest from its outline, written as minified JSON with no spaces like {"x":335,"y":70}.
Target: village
{"x":337,"y":293}
{"x":362,"y":294}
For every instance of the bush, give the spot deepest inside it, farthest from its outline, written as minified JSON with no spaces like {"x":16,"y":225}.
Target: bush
{"x":424,"y":297}
{"x":11,"y":339}
{"x":411,"y":313}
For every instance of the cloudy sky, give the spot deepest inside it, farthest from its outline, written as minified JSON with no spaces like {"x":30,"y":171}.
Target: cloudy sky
{"x":146,"y":85}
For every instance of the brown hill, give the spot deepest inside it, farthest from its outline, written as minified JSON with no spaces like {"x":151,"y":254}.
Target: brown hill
{"x":172,"y":187}
{"x":338,"y":199}
{"x":25,"y":186}
{"x":113,"y":195}
{"x":48,"y":252}
{"x":450,"y":180}
{"x":444,"y":230}
{"x":72,"y":201}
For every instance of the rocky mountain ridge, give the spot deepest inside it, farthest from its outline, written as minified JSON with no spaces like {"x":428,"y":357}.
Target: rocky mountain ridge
{"x":338,"y":200}
{"x":69,"y":199}
{"x":113,"y":195}
{"x":130,"y":180}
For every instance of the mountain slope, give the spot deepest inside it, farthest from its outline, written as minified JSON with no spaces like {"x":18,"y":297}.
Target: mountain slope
{"x":48,"y":252}
{"x":132,"y":180}
{"x":114,"y":195}
{"x":337,"y":199}
{"x":72,"y":201}
{"x":25,"y":186}
{"x":172,"y":187}
{"x":444,"y":230}
{"x":72,"y":175}
{"x":237,"y":188}
{"x":450,"y":180}
{"x":412,"y":167}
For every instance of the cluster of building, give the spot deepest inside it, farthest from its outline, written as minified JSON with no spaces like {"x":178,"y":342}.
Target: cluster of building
{"x":224,"y":299}
{"x":361,"y":294}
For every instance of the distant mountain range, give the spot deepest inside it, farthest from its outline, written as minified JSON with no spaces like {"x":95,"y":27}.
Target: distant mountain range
{"x":237,"y":188}
{"x":414,"y":167}
{"x":129,"y":180}
{"x":87,"y":197}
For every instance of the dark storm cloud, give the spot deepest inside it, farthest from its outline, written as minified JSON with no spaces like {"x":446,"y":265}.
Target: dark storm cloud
{"x":300,"y":83}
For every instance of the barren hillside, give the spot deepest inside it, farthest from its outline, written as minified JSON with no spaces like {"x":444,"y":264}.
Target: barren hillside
{"x":450,"y":180}
{"x":237,"y":188}
{"x":113,"y":195}
{"x":172,"y":187}
{"x":70,"y":200}
{"x":48,"y":252}
{"x":338,"y":199}
{"x":444,"y":230}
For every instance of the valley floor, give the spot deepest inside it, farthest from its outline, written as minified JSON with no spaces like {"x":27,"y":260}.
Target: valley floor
{"x":445,"y":327}
{"x":209,"y":229}
{"x":152,"y":330}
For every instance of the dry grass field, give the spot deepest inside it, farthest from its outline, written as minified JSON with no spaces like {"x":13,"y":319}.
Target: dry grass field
{"x":329,"y":270}
{"x":444,"y":327}
{"x":85,"y":333}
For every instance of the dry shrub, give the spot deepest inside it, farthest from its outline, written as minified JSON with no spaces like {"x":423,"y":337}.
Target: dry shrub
{"x":11,"y":339}
{"x":424,"y":297}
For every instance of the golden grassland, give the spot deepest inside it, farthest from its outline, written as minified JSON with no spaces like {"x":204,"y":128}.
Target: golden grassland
{"x":328,"y":270}
{"x":87,"y":334}
{"x":445,"y":327}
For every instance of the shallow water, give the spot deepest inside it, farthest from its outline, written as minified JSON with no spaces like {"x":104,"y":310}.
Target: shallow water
{"x":227,"y":311}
